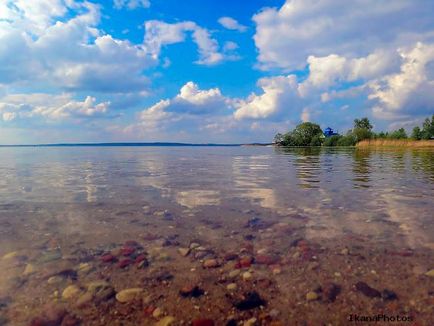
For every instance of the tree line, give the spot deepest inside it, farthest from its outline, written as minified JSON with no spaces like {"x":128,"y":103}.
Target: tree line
{"x":311,"y":134}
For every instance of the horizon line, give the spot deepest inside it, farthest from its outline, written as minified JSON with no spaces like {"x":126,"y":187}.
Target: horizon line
{"x":132,"y":144}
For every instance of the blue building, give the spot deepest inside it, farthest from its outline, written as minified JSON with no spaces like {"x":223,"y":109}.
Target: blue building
{"x":328,"y":132}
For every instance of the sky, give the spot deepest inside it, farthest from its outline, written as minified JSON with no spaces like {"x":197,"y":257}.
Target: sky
{"x":210,"y":71}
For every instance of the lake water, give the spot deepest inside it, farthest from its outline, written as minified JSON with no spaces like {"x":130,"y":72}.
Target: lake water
{"x":289,"y":237}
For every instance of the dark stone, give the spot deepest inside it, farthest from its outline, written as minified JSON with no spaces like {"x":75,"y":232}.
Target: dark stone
{"x":125,"y":262}
{"x":251,"y":300}
{"x":232,"y":322}
{"x":249,"y":237}
{"x":164,"y":276}
{"x":191,"y":291}
{"x":4,"y":302}
{"x":331,"y":291}
{"x":203,"y":322}
{"x":388,"y":295}
{"x":367,"y":290}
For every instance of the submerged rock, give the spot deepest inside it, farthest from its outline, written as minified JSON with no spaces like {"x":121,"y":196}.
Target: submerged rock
{"x":211,"y":263}
{"x":311,"y":296}
{"x":430,"y":273}
{"x":251,"y":300}
{"x":331,"y":291}
{"x":166,"y":321}
{"x":367,"y":290}
{"x":71,"y":292}
{"x":388,"y":295}
{"x":191,"y":291}
{"x":203,"y":322}
{"x":184,"y":251}
{"x":129,"y":295}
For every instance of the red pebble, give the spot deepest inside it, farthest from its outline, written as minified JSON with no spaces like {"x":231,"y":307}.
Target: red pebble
{"x":203,"y":322}
{"x":127,"y":251}
{"x":125,"y":262}
{"x":266,"y":260}
{"x":149,"y":310}
{"x":107,"y":258}
{"x":140,"y":258}
{"x":245,"y":262}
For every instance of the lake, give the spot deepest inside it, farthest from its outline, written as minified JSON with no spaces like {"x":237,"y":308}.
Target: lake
{"x":256,"y":235}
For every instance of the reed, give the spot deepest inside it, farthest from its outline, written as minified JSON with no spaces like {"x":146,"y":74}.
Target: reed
{"x":395,"y":143}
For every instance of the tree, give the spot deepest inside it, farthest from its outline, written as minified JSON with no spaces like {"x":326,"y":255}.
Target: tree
{"x":363,"y":124}
{"x":304,"y":133}
{"x":362,"y":129}
{"x":428,"y":128}
{"x":398,"y":134}
{"x":416,"y":134}
{"x":278,"y":138}
{"x":332,"y":140}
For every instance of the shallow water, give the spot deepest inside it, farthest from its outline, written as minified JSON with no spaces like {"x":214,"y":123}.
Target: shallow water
{"x":297,"y":220}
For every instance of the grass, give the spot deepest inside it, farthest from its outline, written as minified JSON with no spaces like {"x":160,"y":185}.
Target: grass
{"x":395,"y":143}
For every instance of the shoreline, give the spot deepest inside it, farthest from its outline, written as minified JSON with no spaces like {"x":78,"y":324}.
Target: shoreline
{"x":396,"y":143}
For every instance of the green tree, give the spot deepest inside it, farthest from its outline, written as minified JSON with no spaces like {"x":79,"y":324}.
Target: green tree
{"x":398,"y":134}
{"x":416,"y":133}
{"x":362,"y":129}
{"x":363,"y":124}
{"x":348,"y":140}
{"x":428,"y":128}
{"x":278,"y":138}
{"x":304,"y":133}
{"x":332,"y":140}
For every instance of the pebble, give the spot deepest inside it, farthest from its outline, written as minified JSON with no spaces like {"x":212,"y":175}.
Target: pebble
{"x":251,"y":300}
{"x":203,"y":322}
{"x":166,"y":321}
{"x":194,"y":245}
{"x":234,"y":273}
{"x":70,"y":292}
{"x":274,"y":313}
{"x":250,"y":322}
{"x":231,"y":286}
{"x":184,"y":251}
{"x":245,"y":262}
{"x":211,"y":263}
{"x":430,"y":273}
{"x":157,"y":313}
{"x":10,"y":255}
{"x":100,"y":290}
{"x":55,"y":280}
{"x":247,"y":276}
{"x":51,"y":315}
{"x":30,"y":269}
{"x":84,"y":268}
{"x":129,"y":295}
{"x":84,"y":300}
{"x":311,"y":296}
{"x":345,"y":251}
{"x":266,"y":259}
{"x":125,"y":262}
{"x":108,"y":258}
{"x":388,"y":295}
{"x":367,"y":290}
{"x":313,"y":265}
{"x":331,"y":291}
{"x":191,"y":291}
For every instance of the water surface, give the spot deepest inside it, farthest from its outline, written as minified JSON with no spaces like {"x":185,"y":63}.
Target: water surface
{"x":320,"y":217}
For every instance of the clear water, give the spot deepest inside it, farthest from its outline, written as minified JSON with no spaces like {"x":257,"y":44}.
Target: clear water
{"x":83,"y":202}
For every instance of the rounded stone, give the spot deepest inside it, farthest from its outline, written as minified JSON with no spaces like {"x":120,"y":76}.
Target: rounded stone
{"x":129,"y":295}
{"x":231,"y":286}
{"x":70,"y":292}
{"x":311,"y":296}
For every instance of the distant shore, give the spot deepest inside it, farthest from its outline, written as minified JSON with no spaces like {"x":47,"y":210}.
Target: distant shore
{"x":395,"y":143}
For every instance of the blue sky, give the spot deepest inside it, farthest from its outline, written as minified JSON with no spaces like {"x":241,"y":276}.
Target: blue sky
{"x":210,"y":71}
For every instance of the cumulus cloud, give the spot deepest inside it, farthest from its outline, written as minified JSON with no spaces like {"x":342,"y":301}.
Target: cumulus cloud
{"x":287,"y":36}
{"x":409,"y":92}
{"x":50,"y":107}
{"x":159,"y":34}
{"x":131,"y":4}
{"x":232,"y":24}
{"x":280,"y":93}
{"x":87,"y":60}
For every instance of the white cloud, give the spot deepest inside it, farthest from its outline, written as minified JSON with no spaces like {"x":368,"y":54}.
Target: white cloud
{"x":131,"y":4}
{"x":280,"y":93}
{"x":287,"y":36}
{"x":409,"y":92}
{"x":159,"y":34}
{"x":87,"y":60}
{"x":50,"y":107}
{"x":232,"y":24}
